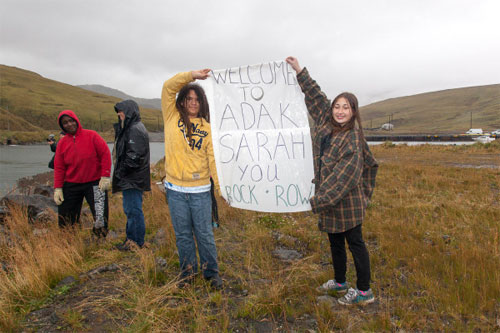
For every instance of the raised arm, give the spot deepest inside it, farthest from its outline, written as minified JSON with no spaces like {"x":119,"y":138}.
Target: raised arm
{"x":317,"y":103}
{"x":170,"y":89}
{"x":172,"y":86}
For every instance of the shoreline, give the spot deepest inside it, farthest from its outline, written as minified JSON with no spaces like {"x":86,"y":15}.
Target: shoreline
{"x":153,"y":137}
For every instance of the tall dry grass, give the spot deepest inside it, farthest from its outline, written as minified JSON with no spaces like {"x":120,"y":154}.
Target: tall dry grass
{"x":36,"y":259}
{"x":432,"y":232}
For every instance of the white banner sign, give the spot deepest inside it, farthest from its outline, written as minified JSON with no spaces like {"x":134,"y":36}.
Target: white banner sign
{"x":261,"y":137}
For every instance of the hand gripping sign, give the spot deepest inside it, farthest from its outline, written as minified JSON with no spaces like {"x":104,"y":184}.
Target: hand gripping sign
{"x":261,"y":137}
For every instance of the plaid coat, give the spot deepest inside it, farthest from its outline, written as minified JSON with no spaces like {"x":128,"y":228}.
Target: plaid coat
{"x":344,"y":166}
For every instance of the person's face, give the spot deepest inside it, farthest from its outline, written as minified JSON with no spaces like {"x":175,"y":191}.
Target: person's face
{"x":192,"y":104}
{"x":121,"y":114}
{"x":342,"y":111}
{"x":69,"y":125}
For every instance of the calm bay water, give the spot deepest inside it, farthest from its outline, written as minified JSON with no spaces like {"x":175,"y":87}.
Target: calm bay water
{"x":22,"y":161}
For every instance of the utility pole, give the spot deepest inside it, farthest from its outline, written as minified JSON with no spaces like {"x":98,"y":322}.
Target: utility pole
{"x":470,"y":120}
{"x":100,"y":120}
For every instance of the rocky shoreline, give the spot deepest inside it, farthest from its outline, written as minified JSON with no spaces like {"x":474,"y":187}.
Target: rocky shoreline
{"x":35,"y":193}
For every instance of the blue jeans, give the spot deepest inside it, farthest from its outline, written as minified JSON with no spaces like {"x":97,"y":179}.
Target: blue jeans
{"x":191,"y":215}
{"x":132,"y":206}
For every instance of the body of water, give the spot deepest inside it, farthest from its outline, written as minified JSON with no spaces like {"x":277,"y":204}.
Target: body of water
{"x":418,"y":143}
{"x":22,"y":161}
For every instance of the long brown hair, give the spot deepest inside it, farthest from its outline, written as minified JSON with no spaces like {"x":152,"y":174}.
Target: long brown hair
{"x":181,"y":101}
{"x":356,"y":116}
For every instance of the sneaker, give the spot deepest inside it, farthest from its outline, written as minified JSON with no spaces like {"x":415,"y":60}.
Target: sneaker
{"x":215,"y":282}
{"x":355,"y":296}
{"x":332,"y":285}
{"x":127,"y":245}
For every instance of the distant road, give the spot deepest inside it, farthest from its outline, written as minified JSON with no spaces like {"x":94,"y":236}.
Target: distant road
{"x":422,"y":137}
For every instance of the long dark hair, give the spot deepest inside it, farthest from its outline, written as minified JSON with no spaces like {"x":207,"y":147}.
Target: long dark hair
{"x":356,"y":116}
{"x":181,"y":100}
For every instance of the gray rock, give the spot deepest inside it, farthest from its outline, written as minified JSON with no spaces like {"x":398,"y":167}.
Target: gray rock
{"x":161,"y":263}
{"x":45,"y":190}
{"x":102,"y":269}
{"x":287,"y":254}
{"x":35,"y":203}
{"x":67,"y":281}
{"x":283,"y":238}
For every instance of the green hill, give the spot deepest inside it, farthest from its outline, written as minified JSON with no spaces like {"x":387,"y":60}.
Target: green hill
{"x":446,"y":111}
{"x":28,"y":96}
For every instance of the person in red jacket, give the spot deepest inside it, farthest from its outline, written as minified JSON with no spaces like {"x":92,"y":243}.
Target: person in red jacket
{"x":82,"y":168}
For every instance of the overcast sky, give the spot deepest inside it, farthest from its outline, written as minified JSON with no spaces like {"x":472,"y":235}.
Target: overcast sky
{"x":376,"y":49}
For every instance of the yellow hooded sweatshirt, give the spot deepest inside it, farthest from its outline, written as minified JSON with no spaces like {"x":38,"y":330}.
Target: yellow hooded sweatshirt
{"x":185,"y":166}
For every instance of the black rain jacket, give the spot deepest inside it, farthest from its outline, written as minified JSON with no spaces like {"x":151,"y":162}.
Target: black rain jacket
{"x":131,"y":151}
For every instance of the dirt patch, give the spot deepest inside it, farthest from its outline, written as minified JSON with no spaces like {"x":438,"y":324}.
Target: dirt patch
{"x":84,"y":307}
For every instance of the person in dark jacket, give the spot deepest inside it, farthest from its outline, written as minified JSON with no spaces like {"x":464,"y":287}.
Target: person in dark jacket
{"x":131,"y":173}
{"x":53,"y":146}
{"x":82,"y":167}
{"x":345,"y":172}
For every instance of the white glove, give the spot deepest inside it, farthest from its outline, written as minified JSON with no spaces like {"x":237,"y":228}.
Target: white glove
{"x":105,"y":184}
{"x":58,"y":196}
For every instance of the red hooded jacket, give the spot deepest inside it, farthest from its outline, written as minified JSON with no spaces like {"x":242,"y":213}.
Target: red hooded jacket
{"x":80,"y":158}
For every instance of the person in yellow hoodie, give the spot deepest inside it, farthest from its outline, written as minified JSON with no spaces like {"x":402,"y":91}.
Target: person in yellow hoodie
{"x":189,"y":164}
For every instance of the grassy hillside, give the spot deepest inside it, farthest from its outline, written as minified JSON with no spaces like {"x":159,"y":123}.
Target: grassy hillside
{"x":447,"y":111}
{"x":37,"y":100}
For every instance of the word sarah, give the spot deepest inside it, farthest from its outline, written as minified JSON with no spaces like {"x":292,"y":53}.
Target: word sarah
{"x":260,"y":147}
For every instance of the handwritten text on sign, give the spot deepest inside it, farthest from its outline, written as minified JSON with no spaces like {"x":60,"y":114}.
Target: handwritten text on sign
{"x":262,"y":143}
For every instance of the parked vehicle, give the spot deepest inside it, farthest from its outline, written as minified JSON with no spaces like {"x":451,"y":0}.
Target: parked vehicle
{"x":484,"y":139}
{"x":495,"y":132}
{"x":475,"y":131}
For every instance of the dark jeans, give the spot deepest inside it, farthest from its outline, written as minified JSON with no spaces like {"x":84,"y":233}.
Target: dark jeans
{"x":191,"y":215}
{"x":359,"y":252}
{"x":132,"y":206}
{"x":69,"y":210}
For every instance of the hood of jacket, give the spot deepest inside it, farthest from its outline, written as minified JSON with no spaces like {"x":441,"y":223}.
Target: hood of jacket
{"x":131,"y":111}
{"x":70,"y":114}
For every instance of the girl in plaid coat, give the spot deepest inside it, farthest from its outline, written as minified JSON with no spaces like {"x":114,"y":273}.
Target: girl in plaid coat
{"x":345,"y":171}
